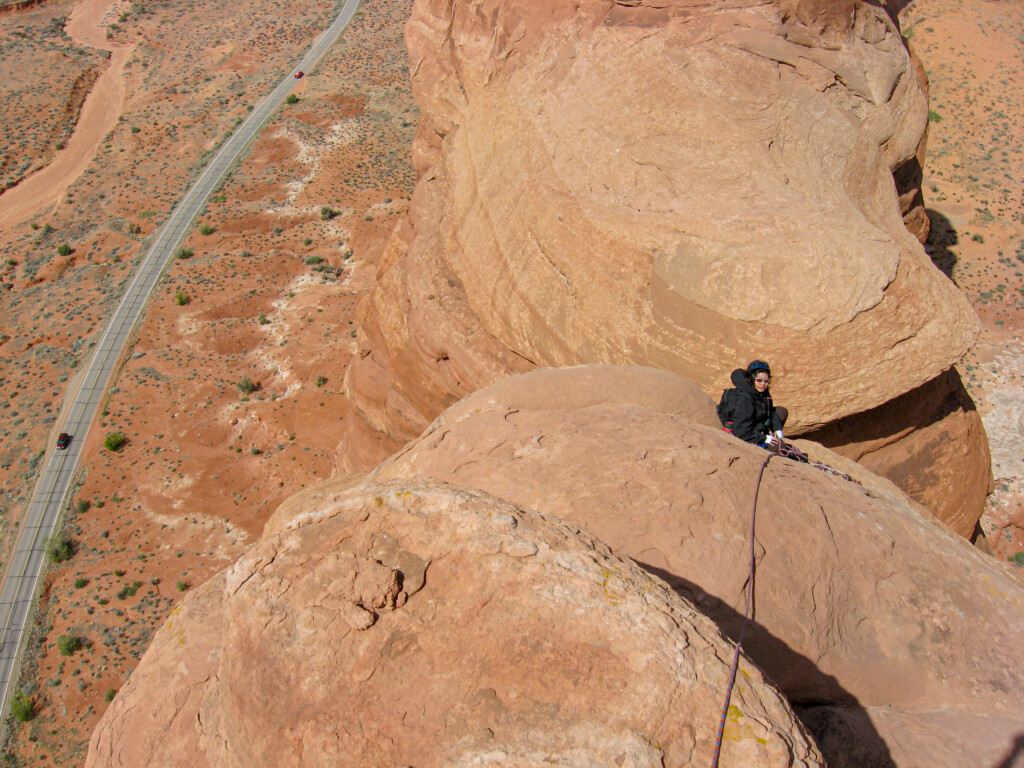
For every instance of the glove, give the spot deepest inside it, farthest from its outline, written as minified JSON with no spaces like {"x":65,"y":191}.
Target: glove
{"x":771,"y":440}
{"x":778,"y":434}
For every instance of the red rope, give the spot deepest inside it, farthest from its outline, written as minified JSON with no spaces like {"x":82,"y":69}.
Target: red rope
{"x":746,"y":616}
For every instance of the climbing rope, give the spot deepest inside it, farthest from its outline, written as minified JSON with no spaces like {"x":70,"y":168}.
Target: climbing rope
{"x":746,"y":615}
{"x":786,"y":451}
{"x":792,"y":452}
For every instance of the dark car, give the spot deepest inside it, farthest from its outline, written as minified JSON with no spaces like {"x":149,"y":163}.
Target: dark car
{"x":63,"y":441}
{"x":299,"y":74}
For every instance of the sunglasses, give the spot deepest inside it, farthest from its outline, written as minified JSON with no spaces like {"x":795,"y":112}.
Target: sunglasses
{"x":762,"y":381}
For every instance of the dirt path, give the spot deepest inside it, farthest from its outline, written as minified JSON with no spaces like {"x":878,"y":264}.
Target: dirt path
{"x":100,"y":113}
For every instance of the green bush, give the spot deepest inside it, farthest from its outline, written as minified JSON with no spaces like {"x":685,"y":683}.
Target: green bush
{"x":68,"y":644}
{"x":109,"y":695}
{"x":183,"y":253}
{"x":114,"y":441}
{"x":206,"y":229}
{"x":80,"y":582}
{"x":292,"y":99}
{"x":64,"y":249}
{"x":129,"y":590}
{"x":262,"y":319}
{"x":181,"y":586}
{"x":22,"y":707}
{"x":1017,"y":559}
{"x":181,"y":298}
{"x":327,"y":213}
{"x":59,"y":548}
{"x":246,"y":386}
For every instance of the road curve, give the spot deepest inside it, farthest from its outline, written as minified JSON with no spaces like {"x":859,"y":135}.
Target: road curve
{"x":25,"y":565}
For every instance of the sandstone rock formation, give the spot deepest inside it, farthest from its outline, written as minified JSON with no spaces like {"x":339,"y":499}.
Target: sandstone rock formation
{"x":864,"y":606}
{"x":930,"y":442}
{"x":419,"y":624}
{"x":682,"y":184}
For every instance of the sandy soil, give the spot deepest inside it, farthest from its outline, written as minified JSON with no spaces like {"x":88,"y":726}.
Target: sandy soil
{"x":37,"y":114}
{"x":268,"y":296}
{"x":973,"y":51}
{"x":99,"y":113}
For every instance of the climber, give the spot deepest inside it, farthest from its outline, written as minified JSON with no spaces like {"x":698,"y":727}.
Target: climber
{"x":747,"y":410}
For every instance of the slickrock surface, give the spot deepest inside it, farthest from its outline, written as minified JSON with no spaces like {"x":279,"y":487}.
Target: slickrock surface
{"x":860,"y":599}
{"x":421,"y":624}
{"x":686,"y":186}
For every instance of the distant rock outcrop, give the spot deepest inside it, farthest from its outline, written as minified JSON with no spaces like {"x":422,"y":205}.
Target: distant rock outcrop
{"x":866,"y":610}
{"x":417,"y":624}
{"x":683,"y":184}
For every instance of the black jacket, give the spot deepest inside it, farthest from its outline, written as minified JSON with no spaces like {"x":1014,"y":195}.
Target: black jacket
{"x":752,"y":413}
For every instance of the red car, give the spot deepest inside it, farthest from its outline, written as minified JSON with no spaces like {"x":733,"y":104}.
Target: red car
{"x":299,"y":74}
{"x":63,"y":441}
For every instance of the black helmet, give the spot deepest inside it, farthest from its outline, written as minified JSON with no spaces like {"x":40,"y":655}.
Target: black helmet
{"x":758,"y":365}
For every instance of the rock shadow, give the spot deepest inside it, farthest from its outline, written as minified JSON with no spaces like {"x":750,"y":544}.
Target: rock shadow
{"x":919,"y":408}
{"x":940,"y":237}
{"x":1015,"y":757}
{"x":816,"y":697}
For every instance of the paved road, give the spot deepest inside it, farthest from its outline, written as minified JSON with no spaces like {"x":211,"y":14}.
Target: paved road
{"x":24,"y":567}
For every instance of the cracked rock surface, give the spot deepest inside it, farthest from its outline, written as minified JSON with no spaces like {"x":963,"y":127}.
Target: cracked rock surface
{"x":415,"y":623}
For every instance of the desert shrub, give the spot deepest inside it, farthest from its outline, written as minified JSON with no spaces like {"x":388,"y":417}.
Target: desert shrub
{"x":80,"y":582}
{"x":181,"y":298}
{"x":181,"y":586}
{"x":114,"y":441}
{"x":64,"y":249}
{"x":291,"y":99}
{"x":22,"y":707}
{"x":183,"y":253}
{"x":262,"y":319}
{"x":109,"y":695}
{"x":246,"y":385}
{"x":206,"y":229}
{"x":69,"y":644}
{"x":321,"y":380}
{"x":129,"y":590}
{"x":59,"y":548}
{"x":327,"y":213}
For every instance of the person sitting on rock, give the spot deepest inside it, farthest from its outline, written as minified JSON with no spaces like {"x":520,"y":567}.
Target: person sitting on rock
{"x":747,"y":410}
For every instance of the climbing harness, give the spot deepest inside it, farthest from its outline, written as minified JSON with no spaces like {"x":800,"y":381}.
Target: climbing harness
{"x":795,"y":454}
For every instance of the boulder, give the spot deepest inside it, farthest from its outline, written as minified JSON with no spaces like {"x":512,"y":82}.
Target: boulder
{"x":861,"y":601}
{"x":930,"y":442}
{"x":681,"y":184}
{"x":415,"y":623}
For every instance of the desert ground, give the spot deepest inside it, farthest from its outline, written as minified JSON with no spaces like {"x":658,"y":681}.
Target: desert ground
{"x":973,"y":53}
{"x":266,"y":297}
{"x":231,"y":398}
